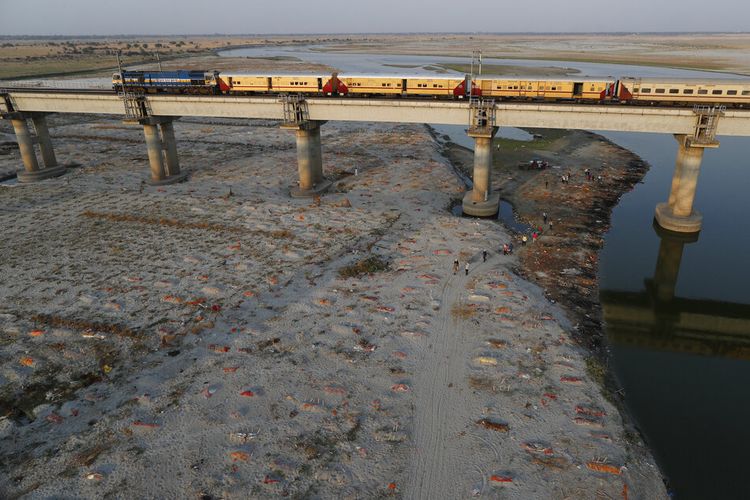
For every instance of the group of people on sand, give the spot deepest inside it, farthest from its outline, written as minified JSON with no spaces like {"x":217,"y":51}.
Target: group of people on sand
{"x":466,"y":266}
{"x":535,"y":233}
{"x":507,"y":248}
{"x":455,"y":267}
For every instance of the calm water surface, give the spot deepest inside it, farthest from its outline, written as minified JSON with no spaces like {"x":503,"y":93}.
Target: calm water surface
{"x":686,"y":378}
{"x":678,"y":309}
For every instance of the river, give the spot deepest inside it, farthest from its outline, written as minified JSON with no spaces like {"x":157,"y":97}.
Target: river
{"x":678,"y":310}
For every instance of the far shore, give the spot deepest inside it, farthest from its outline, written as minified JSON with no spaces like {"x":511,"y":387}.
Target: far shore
{"x":86,"y":56}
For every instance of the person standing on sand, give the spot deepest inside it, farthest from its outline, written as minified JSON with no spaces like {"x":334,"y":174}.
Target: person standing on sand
{"x":466,"y":268}
{"x":455,"y":266}
{"x":544,"y":216}
{"x":524,"y":239}
{"x":534,"y":236}
{"x":484,"y":255}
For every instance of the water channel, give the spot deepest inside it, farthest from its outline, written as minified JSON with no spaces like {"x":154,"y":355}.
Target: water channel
{"x":678,"y":309}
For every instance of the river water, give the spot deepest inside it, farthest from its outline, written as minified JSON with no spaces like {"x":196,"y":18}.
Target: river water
{"x":677,"y":310}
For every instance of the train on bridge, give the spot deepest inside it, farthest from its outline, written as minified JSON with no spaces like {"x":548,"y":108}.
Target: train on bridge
{"x":650,"y":91}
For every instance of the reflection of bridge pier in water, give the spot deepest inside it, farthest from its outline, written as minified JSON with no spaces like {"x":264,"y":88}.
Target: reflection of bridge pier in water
{"x":668,"y":262}
{"x":656,"y":319}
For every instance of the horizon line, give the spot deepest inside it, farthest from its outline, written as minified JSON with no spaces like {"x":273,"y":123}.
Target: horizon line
{"x":132,"y":35}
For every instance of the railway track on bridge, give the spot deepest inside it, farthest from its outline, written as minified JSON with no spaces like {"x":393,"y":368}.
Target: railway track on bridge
{"x":354,"y":98}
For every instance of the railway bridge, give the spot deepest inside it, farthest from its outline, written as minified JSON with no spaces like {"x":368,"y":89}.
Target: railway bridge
{"x":695,"y":129}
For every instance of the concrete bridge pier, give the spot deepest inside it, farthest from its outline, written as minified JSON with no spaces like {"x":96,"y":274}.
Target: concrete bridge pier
{"x":309,"y":160}
{"x":32,"y":170}
{"x":162,"y":151}
{"x":481,"y":201}
{"x":677,"y":213}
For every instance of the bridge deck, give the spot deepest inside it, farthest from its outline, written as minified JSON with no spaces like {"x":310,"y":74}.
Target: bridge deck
{"x":614,"y":117}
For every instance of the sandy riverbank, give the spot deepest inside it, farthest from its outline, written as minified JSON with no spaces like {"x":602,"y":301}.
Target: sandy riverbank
{"x":192,"y":341}
{"x":564,"y":260}
{"x":95,"y":56}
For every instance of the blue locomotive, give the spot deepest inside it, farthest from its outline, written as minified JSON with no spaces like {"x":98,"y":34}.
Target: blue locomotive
{"x":179,"y":81}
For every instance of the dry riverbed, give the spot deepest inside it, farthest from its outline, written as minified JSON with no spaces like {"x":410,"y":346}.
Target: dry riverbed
{"x":208,"y":339}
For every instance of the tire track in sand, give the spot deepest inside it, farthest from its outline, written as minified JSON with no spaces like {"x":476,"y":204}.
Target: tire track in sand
{"x":441,"y":412}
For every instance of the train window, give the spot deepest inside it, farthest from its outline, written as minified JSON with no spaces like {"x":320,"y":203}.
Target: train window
{"x":528,"y":88}
{"x":674,"y":91}
{"x":731,"y":92}
{"x":702,"y":91}
{"x":717,"y":92}
{"x":515,"y":87}
{"x":554,"y":88}
{"x":687,"y":91}
{"x":659,"y":91}
{"x":646,"y":91}
{"x":746,"y":92}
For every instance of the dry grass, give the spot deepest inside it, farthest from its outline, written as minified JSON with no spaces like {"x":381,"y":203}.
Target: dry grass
{"x":369,"y":265}
{"x":463,"y":311}
{"x":83,"y":325}
{"x":177,"y":224}
{"x":161,"y":221}
{"x":482,"y":384}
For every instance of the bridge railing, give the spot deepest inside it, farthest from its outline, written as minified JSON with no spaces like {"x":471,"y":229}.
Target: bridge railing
{"x":71,"y":84}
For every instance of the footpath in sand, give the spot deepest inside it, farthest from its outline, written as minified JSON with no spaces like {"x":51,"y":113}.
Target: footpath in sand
{"x":193,"y":341}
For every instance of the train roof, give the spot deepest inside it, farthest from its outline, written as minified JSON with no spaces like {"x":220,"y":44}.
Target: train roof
{"x":689,"y":81}
{"x":261,"y":75}
{"x":456,"y":76}
{"x":459,"y":76}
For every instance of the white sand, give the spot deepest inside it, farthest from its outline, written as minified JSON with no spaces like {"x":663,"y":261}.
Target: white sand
{"x":353,"y":388}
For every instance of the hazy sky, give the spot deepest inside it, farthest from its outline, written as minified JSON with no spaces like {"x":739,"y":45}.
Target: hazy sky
{"x":163,"y":17}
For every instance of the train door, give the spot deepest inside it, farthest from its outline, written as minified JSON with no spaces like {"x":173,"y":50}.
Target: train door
{"x":522,"y":88}
{"x":320,"y":84}
{"x":577,"y":89}
{"x":541,"y":89}
{"x":403,"y":86}
{"x":269,"y":84}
